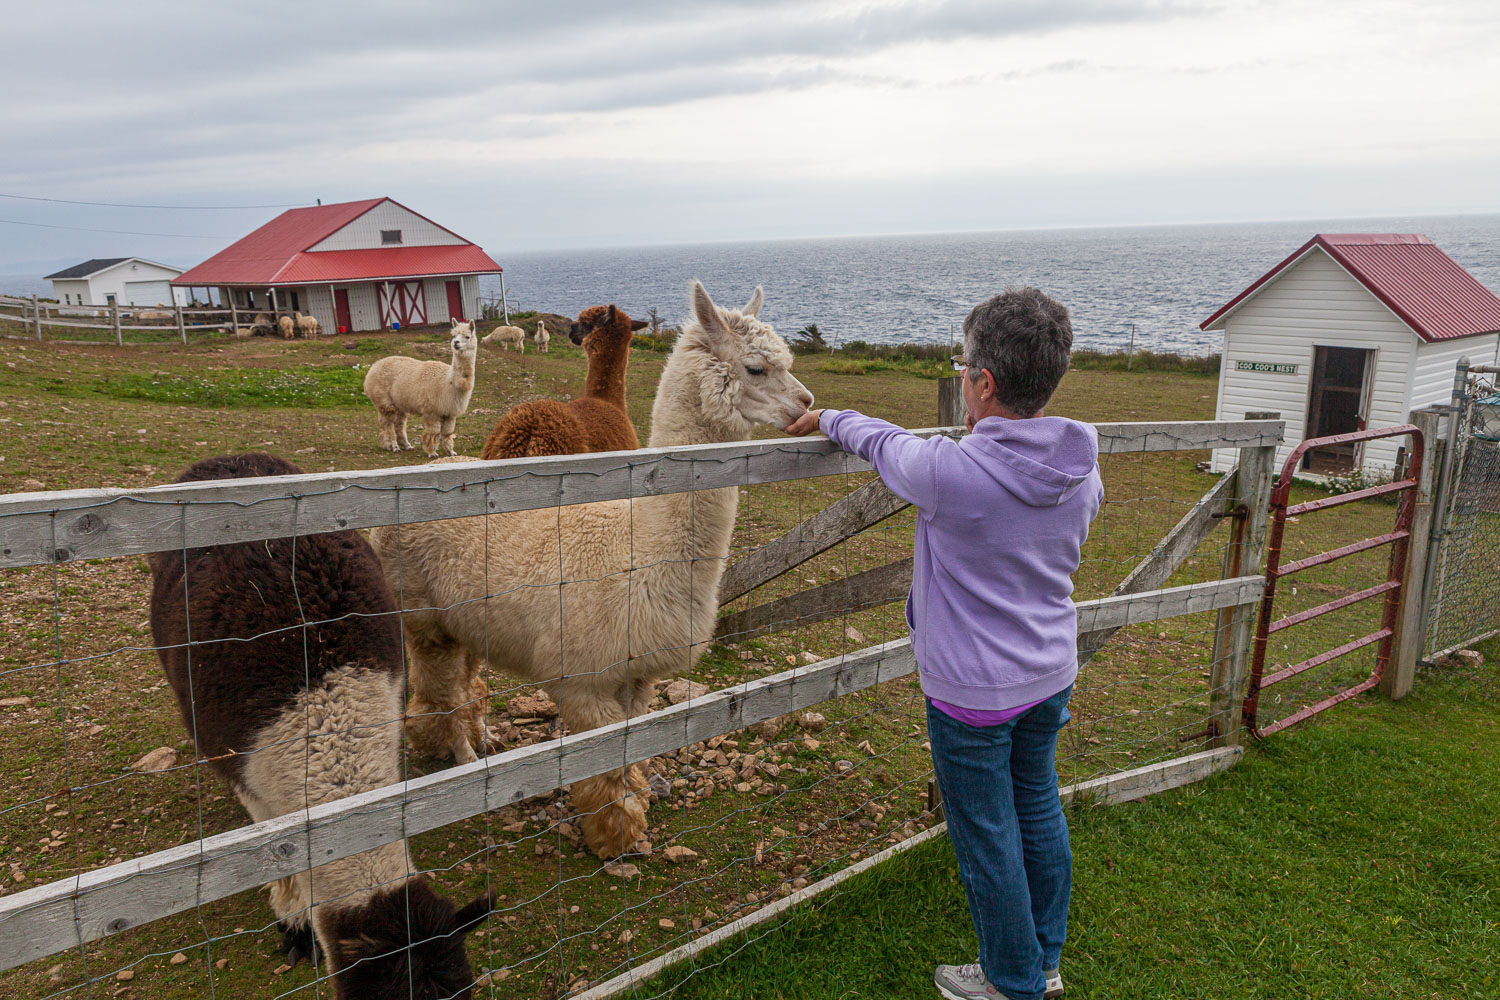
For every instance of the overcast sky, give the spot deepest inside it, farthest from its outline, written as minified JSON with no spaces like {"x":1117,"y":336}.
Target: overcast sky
{"x":526,"y":125}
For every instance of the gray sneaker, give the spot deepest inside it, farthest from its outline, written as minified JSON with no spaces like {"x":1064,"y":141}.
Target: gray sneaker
{"x":1054,"y":984}
{"x":964,"y":982}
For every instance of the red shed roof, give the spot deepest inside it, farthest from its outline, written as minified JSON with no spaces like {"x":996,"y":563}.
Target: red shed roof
{"x":1423,"y":286}
{"x":277,"y":253}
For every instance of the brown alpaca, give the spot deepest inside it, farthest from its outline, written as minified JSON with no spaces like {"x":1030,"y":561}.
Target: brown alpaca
{"x":598,"y":420}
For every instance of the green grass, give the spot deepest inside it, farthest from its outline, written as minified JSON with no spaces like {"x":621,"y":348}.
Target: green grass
{"x":303,"y":386}
{"x":1358,"y":856}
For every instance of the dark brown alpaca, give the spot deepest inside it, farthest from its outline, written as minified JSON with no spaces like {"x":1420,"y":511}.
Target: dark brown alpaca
{"x":293,"y":716}
{"x":596,"y":421}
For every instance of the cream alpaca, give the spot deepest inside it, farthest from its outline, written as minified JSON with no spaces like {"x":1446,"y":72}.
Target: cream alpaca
{"x":437,"y":392}
{"x":507,"y":336}
{"x":542,"y":336}
{"x":643,"y":575}
{"x":287,"y":327}
{"x":307,"y":326}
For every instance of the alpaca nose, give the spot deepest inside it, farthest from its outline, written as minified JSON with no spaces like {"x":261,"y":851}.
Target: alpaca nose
{"x":805,"y":398}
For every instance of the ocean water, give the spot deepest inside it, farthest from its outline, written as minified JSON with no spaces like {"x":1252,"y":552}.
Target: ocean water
{"x":1161,"y":280}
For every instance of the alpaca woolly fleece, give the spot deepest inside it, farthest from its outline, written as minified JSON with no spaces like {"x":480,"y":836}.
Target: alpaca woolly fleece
{"x":400,"y":387}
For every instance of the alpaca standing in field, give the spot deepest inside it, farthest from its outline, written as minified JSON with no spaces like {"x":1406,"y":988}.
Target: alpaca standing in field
{"x":307,"y":326}
{"x":292,"y":718}
{"x":543,"y":338}
{"x":598,"y":420}
{"x":439,"y":393}
{"x":642,"y":576}
{"x":287,"y":327}
{"x":507,"y":336}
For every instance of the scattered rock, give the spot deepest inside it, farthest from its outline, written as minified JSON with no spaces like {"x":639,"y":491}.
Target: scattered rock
{"x":770,"y":728}
{"x":677,"y":854}
{"x":538,"y":705}
{"x":20,"y":702}
{"x":157,"y":760}
{"x":843,"y":766}
{"x":33,"y":486}
{"x":281,"y":970}
{"x":660,"y":786}
{"x":625,"y":936}
{"x":621,"y":869}
{"x":95,"y":730}
{"x":682,"y":689}
{"x":812,"y":721}
{"x":221,"y":963}
{"x":1463,"y":659}
{"x":866,"y":747}
{"x":178,"y":959}
{"x":810,"y":657}
{"x":665,"y":924}
{"x":125,"y":975}
{"x":854,"y":635}
{"x":808,"y":743}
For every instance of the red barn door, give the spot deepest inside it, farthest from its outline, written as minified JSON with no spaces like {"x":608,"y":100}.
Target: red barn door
{"x":341,"y":310}
{"x":455,"y":302}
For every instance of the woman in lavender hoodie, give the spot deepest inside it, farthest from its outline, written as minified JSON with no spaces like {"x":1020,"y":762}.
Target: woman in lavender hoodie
{"x":1002,"y":515}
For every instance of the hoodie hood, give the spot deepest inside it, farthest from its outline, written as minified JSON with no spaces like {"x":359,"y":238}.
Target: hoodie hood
{"x":1042,"y":461}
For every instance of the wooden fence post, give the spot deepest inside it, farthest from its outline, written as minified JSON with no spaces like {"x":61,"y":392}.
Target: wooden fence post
{"x":36,"y":312}
{"x":114,"y":321}
{"x":181,"y":326}
{"x":1402,"y":669}
{"x":234,"y":316}
{"x":1234,"y":629}
{"x":950,"y":401}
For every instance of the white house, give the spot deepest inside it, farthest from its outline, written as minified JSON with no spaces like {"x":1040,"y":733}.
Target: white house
{"x":358,"y":265}
{"x":130,"y":281}
{"x":1353,"y":330}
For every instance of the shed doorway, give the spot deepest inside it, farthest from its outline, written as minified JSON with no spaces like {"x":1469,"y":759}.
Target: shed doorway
{"x":1338,"y":403}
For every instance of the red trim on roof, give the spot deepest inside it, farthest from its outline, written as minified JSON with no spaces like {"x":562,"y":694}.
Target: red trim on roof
{"x":1423,"y":286}
{"x":277,"y":253}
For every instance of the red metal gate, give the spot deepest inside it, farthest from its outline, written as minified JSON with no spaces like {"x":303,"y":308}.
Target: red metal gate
{"x":1398,"y":539}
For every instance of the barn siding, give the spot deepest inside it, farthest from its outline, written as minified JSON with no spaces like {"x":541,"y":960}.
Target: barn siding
{"x":470,"y":289}
{"x":317,"y":301}
{"x":1314,"y":303}
{"x":437,"y":299}
{"x":364,"y":307}
{"x":1432,"y":375}
{"x":364,"y":232}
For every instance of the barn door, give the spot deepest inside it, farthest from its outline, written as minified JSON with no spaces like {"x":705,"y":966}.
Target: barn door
{"x":402,"y":302}
{"x":1335,"y":406}
{"x":341,"y":310}
{"x":455,"y":301}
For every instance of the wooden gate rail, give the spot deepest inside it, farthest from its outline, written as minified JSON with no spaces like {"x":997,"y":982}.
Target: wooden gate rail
{"x":101,"y":902}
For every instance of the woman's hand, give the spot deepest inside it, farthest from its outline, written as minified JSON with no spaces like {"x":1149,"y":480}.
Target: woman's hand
{"x":805,"y":424}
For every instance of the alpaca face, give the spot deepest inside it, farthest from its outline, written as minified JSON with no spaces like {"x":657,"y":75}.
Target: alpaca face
{"x":603,"y":328}
{"x":405,"y":944}
{"x":753,"y":380}
{"x":462,"y":338}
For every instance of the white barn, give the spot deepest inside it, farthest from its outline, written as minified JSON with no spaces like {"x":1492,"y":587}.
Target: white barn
{"x":356,"y":265}
{"x":1353,"y":330}
{"x":129,"y":281}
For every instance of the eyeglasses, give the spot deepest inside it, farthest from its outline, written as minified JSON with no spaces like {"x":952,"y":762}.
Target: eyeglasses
{"x":959,"y":362}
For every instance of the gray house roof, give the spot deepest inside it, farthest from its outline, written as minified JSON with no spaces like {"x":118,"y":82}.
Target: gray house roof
{"x":87,"y":268}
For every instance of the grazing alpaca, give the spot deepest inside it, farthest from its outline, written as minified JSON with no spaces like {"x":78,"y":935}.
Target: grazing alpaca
{"x":261,"y":326}
{"x":287,"y":327}
{"x":440,"y":393}
{"x":643,"y":574}
{"x":292,"y":718}
{"x":505,"y":336}
{"x":543,"y":338}
{"x":597,"y":421}
{"x":307,"y":326}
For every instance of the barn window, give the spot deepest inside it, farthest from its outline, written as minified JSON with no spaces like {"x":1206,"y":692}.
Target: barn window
{"x":390,"y":236}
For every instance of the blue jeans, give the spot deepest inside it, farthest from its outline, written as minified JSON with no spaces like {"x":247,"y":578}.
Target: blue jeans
{"x":999,"y":789}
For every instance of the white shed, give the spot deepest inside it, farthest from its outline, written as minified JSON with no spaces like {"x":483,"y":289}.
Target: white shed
{"x":130,"y":281}
{"x":1353,"y":330}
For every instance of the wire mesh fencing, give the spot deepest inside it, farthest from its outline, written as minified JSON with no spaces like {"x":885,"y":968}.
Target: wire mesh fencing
{"x":646,"y":767}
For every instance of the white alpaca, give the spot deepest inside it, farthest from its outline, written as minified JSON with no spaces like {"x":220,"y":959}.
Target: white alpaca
{"x":642,"y":575}
{"x":307,"y":326}
{"x":542,"y":336}
{"x":287,"y":327}
{"x":506,"y":336}
{"x":437,"y":392}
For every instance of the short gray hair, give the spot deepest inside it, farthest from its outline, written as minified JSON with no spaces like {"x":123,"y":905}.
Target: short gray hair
{"x":1025,"y":338}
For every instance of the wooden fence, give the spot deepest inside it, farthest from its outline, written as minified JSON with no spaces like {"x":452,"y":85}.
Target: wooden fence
{"x":49,"y":528}
{"x":35,"y":316}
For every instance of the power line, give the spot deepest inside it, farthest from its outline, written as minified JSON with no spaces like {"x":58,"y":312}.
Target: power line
{"x":113,"y":204}
{"x":117,"y":232}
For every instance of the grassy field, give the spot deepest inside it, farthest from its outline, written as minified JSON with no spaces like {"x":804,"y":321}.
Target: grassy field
{"x":83,"y":696}
{"x":1357,"y":856}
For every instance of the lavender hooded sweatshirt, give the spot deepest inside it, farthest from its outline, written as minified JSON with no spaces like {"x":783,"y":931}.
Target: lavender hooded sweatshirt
{"x":1002,"y":515}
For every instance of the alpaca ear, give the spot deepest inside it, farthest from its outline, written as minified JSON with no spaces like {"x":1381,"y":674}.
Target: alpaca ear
{"x":610,"y":319}
{"x":752,"y":308}
{"x":706,"y":312}
{"x":638,"y":324}
{"x":455,"y":324}
{"x":470,"y":917}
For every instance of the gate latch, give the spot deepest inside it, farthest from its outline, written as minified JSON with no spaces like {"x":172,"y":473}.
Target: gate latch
{"x":1239,"y":512}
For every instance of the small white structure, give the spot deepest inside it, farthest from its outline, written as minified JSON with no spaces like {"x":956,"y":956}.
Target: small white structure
{"x":130,"y":281}
{"x":1353,"y":330}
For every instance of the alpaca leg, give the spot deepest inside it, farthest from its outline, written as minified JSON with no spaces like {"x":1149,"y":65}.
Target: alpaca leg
{"x":611,"y":807}
{"x":448,"y":432}
{"x":445,"y":716}
{"x":387,"y":429}
{"x":431,"y":433}
{"x":400,"y":424}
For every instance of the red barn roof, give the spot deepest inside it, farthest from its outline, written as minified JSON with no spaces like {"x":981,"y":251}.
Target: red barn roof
{"x":277,"y":253}
{"x":1423,"y":286}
